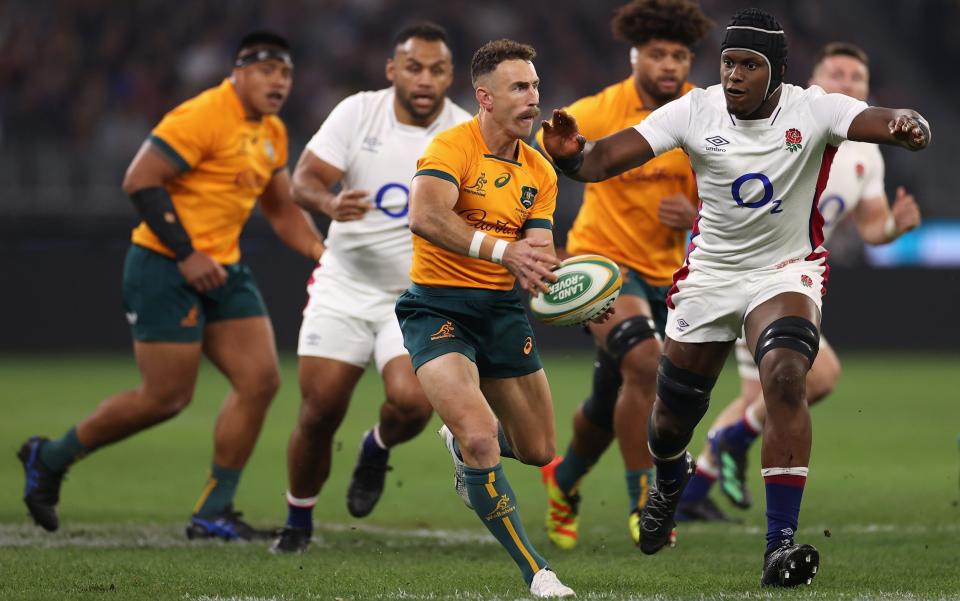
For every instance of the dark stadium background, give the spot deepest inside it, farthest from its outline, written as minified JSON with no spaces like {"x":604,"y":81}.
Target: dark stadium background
{"x":82,"y":83}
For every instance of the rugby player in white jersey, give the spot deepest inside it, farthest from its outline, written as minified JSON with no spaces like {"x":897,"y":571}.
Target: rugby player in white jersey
{"x":855,"y":191}
{"x":761,"y":150}
{"x":369,"y":144}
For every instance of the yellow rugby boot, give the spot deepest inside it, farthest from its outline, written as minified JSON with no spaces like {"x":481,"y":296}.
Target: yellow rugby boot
{"x":562,"y":520}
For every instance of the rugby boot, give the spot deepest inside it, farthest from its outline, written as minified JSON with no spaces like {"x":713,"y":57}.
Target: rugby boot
{"x":42,"y":490}
{"x":563,"y":518}
{"x":732,"y":463}
{"x":366,"y":485}
{"x":790,"y":564}
{"x":226,"y":525}
{"x":657,"y":516}
{"x":291,"y":540}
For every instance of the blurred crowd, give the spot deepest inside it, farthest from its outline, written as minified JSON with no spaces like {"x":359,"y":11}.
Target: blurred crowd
{"x":83,"y":81}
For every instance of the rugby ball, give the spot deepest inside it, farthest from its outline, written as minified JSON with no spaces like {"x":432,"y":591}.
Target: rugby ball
{"x":586,"y":286}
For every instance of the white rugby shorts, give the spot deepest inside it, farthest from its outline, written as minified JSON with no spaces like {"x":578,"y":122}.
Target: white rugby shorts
{"x":349,"y":321}
{"x":710,"y":306}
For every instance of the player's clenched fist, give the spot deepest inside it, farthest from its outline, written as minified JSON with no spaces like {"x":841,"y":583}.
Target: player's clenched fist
{"x":348,"y":205}
{"x":202,"y":272}
{"x":561,"y":138}
{"x":913,"y":130}
{"x":531,"y":267}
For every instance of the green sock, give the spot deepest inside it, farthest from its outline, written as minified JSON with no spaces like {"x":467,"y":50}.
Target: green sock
{"x":638,"y":485}
{"x":495,"y":503}
{"x":60,"y":453}
{"x":571,"y":470}
{"x":218,"y":493}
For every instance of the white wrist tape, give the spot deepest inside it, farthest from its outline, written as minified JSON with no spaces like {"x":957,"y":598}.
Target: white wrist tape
{"x":498,"y":249}
{"x":890,"y":227}
{"x":475,"y":244}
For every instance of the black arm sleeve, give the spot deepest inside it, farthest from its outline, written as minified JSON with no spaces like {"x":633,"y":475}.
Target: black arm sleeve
{"x":156,"y":208}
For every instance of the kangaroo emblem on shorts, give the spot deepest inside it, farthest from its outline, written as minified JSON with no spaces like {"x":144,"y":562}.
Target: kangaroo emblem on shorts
{"x":190,"y":321}
{"x":445,"y":331}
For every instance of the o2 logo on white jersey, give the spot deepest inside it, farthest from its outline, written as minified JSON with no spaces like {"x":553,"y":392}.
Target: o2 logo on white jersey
{"x":394,"y":212}
{"x":833,"y":215}
{"x":767,"y":198}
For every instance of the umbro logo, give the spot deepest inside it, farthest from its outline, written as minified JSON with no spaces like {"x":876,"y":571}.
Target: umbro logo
{"x":716,"y":142}
{"x":682,"y":324}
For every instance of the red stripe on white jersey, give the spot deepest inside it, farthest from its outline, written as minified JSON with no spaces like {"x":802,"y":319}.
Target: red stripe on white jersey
{"x":816,"y":218}
{"x":681,"y":274}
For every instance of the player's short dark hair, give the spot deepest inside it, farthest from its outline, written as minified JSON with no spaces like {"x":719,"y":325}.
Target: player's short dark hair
{"x":261,"y":38}
{"x":841,"y":49}
{"x":491,"y":54}
{"x":674,"y":20}
{"x":422,"y":30}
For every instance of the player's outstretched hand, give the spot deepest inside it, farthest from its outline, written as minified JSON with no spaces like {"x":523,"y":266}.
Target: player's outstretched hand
{"x":910,"y":130}
{"x":906,"y":213}
{"x":561,"y":138}
{"x":348,"y":205}
{"x":531,"y":267}
{"x":202,"y":272}
{"x":676,"y":211}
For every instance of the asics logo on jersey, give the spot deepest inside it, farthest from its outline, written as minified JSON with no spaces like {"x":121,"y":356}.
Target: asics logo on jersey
{"x":502,"y":181}
{"x":445,"y":331}
{"x":477,"y":186}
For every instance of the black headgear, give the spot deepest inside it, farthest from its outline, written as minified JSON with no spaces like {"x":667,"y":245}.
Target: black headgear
{"x":757,"y":31}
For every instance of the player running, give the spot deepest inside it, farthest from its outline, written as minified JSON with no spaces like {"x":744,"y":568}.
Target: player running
{"x":762,"y":151}
{"x":640,"y":221}
{"x":481,"y":209}
{"x":855,"y":189}
{"x":368,"y":144}
{"x":186,"y":293}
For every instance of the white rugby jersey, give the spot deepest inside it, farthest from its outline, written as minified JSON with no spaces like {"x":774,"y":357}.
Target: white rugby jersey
{"x":857,"y":173}
{"x":363,"y":138}
{"x":758,"y":180}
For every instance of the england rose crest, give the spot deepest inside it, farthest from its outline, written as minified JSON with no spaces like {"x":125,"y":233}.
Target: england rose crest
{"x":794,"y":140}
{"x":806,"y":281}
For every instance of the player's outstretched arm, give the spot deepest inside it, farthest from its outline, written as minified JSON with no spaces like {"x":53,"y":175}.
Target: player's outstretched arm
{"x":144,"y":183}
{"x":896,"y":127}
{"x":432,"y":217}
{"x":592,"y":161}
{"x":291,"y":223}
{"x":312,"y":179}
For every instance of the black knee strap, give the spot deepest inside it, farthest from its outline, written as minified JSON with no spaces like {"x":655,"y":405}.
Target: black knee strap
{"x":629,"y":333}
{"x":599,"y":406}
{"x":795,"y":333}
{"x":685,"y":393}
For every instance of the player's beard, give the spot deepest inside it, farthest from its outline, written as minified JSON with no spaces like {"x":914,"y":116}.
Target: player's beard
{"x":406,"y":100}
{"x":661,"y":97}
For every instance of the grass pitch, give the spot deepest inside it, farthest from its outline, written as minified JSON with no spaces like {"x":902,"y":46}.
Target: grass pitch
{"x":881,"y":503}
